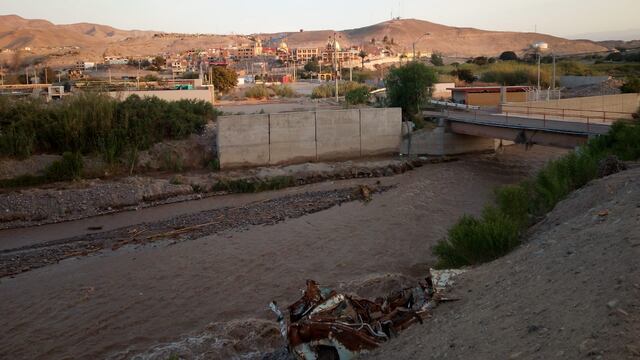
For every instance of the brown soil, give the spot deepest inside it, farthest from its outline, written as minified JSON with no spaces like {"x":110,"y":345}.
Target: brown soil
{"x":571,"y":292}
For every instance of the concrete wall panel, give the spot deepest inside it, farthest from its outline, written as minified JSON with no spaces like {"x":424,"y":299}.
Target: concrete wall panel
{"x":293,"y":137}
{"x":243,"y":140}
{"x":381,"y":131}
{"x":168,"y":95}
{"x":338,"y":134}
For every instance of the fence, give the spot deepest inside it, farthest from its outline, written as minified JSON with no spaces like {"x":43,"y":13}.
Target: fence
{"x":605,"y":108}
{"x":287,"y":138}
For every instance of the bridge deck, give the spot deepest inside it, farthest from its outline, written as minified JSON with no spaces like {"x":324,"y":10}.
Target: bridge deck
{"x":568,"y":126}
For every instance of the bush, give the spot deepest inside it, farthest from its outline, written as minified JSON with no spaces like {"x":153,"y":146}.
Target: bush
{"x":65,"y":169}
{"x":257,"y":92}
{"x":357,"y":96}
{"x":631,"y":85}
{"x":465,"y":75}
{"x":251,"y":186}
{"x":68,"y":168}
{"x":96,"y":123}
{"x":436,"y":59}
{"x":515,"y":74}
{"x":508,"y":56}
{"x":329,"y":89}
{"x":284,"y":91}
{"x":472,"y":241}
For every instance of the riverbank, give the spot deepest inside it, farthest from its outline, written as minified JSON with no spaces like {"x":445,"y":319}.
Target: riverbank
{"x":89,"y":198}
{"x":207,"y":296}
{"x":580,"y":297}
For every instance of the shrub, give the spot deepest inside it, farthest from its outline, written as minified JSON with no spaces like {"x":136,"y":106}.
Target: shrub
{"x":252,"y":186}
{"x":436,"y":59}
{"x":357,"y":96}
{"x":631,"y":85}
{"x":68,"y":168}
{"x":515,"y":74}
{"x":284,"y":91}
{"x":508,"y":56}
{"x":257,"y":92}
{"x":472,"y":241}
{"x":96,"y":123}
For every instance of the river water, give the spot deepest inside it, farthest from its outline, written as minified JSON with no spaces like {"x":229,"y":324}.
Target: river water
{"x":151,"y":300}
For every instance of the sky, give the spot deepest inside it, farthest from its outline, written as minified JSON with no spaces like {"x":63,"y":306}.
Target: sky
{"x":567,"y":18}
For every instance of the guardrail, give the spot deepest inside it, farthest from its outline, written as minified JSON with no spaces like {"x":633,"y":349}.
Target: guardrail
{"x":589,"y":115}
{"x":508,"y":119}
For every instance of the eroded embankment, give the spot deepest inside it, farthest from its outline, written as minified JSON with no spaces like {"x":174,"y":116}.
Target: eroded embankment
{"x":571,"y":292}
{"x":88,"y":198}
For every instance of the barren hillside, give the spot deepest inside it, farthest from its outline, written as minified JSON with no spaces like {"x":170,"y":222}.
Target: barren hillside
{"x":94,"y":40}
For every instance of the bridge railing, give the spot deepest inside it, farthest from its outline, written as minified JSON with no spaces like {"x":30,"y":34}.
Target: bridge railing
{"x":588,"y":125}
{"x":567,"y":114}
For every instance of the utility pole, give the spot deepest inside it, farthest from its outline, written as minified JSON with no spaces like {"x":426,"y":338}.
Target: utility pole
{"x":46,"y":76}
{"x":539,"y":58}
{"x":138,"y":77}
{"x":335,"y":64}
{"x":554,"y":72}
{"x":26,"y":74}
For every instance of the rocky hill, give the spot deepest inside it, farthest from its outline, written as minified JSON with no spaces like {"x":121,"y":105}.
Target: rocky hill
{"x":95,"y":40}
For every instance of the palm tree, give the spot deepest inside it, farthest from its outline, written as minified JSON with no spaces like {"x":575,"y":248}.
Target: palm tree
{"x":362,"y":54}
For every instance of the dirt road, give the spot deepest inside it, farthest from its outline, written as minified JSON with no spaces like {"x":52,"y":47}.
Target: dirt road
{"x":171,"y":297}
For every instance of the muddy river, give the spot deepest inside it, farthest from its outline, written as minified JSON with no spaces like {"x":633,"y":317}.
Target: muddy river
{"x":207,"y":297}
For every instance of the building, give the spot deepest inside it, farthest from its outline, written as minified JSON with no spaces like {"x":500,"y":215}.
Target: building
{"x":303,"y":55}
{"x":489,"y":95}
{"x":342,"y":55}
{"x":247,"y":52}
{"x":85,"y":65}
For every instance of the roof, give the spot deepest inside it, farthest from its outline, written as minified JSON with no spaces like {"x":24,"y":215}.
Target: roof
{"x":489,"y":89}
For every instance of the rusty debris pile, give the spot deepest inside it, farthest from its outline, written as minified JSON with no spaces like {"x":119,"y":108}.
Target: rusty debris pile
{"x":324,"y":324}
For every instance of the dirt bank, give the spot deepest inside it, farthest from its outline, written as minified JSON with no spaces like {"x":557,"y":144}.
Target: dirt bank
{"x":87,"y":198}
{"x":571,"y":292}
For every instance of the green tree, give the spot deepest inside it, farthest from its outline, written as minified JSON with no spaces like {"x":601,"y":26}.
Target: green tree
{"x":436,"y":59}
{"x":410,"y":87}
{"x":508,"y":56}
{"x":224,"y":79}
{"x":312,"y":66}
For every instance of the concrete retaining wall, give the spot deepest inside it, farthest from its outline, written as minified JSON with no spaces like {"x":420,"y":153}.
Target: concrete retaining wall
{"x":169,"y":95}
{"x":285,"y":138}
{"x":293,"y":138}
{"x":243,"y":140}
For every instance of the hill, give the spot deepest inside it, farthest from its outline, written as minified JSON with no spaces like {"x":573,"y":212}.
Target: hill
{"x":95,"y":40}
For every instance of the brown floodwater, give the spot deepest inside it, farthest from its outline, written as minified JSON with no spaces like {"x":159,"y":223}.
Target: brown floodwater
{"x":121,"y":303}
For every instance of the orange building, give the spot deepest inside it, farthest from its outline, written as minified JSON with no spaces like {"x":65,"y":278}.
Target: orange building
{"x":488,"y":95}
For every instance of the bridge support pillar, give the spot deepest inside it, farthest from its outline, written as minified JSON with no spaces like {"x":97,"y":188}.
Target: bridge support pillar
{"x":440,"y":141}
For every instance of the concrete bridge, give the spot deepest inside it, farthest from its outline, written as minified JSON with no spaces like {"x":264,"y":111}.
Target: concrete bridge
{"x":552,"y":131}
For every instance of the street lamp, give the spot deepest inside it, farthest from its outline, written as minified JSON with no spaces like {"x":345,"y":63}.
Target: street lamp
{"x":415,"y":42}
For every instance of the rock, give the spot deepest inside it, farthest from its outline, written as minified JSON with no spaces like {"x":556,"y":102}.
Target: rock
{"x":612,"y":304}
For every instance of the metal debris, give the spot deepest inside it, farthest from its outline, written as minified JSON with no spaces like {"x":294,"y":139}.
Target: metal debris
{"x":324,"y":324}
